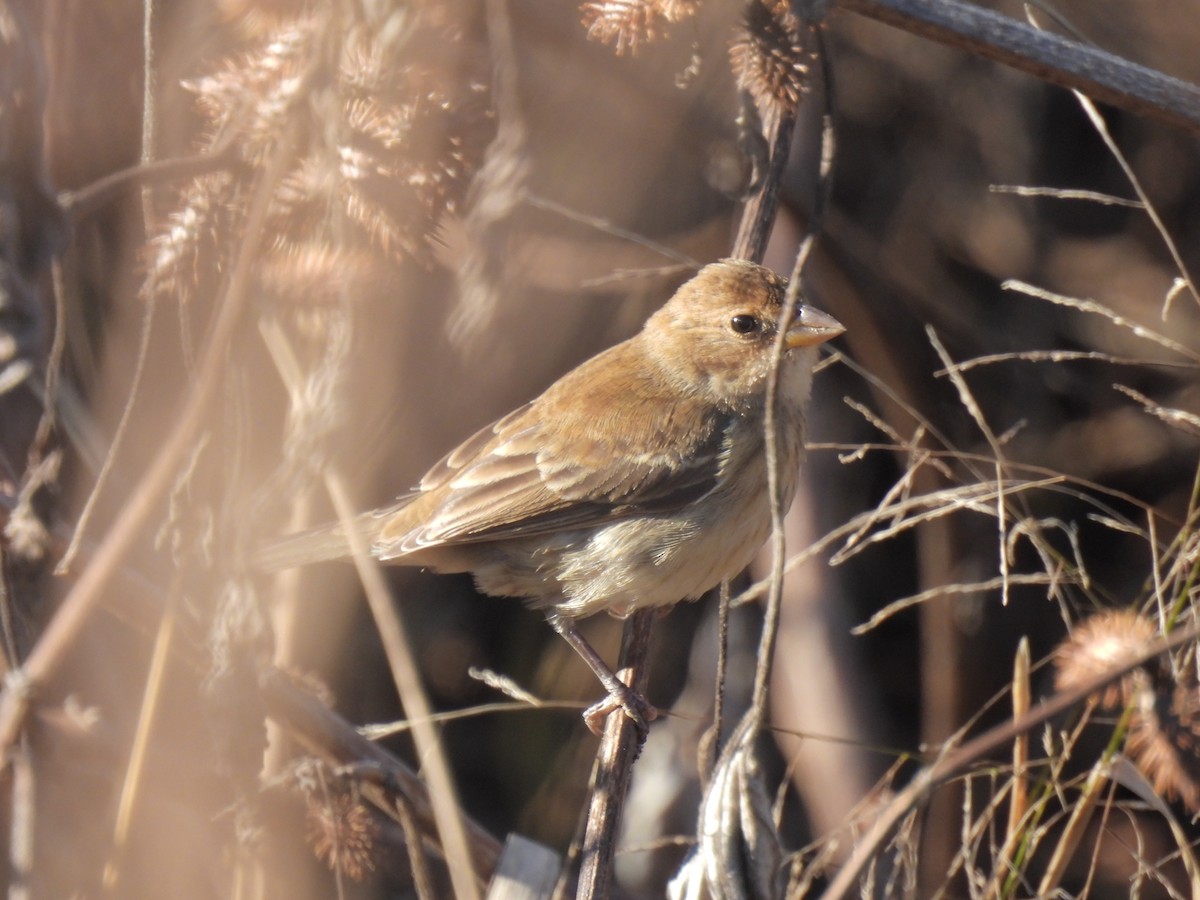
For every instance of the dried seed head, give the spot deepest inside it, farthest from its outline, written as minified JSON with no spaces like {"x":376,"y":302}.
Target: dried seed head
{"x":255,"y":17}
{"x":677,"y":10}
{"x":626,"y":23}
{"x":254,"y":91}
{"x":342,"y":833}
{"x":631,"y":23}
{"x":1097,"y":645}
{"x":771,"y":57}
{"x":1164,"y":742}
{"x":174,"y":257}
{"x":390,"y":124}
{"x":316,"y":273}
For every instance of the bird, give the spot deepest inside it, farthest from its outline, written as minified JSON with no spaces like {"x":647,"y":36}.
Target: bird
{"x":637,"y":480}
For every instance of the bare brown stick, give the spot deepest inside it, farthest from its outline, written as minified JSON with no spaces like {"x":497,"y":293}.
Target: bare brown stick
{"x":956,"y":762}
{"x":758,"y":215}
{"x":21,"y":828}
{"x":70,"y":619}
{"x":614,"y":765}
{"x":1050,"y":57}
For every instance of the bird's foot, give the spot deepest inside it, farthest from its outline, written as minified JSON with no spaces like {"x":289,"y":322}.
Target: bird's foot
{"x":620,"y":695}
{"x":624,"y":698}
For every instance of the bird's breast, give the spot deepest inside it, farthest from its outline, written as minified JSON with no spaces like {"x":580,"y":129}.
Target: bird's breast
{"x":660,"y":560}
{"x":647,"y":559}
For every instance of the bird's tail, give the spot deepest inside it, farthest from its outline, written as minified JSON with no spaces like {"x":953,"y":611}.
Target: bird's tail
{"x":322,"y":544}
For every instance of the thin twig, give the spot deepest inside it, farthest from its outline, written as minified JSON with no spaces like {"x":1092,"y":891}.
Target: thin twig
{"x":774,"y":605}
{"x":115,"y":446}
{"x":149,"y":111}
{"x":446,"y":810}
{"x":711,"y":741}
{"x":972,"y":407}
{"x":1092,"y":307}
{"x":135,"y":769}
{"x":606,"y":227}
{"x":54,"y":362}
{"x":1022,"y":190}
{"x":418,"y":864}
{"x":87,"y":200}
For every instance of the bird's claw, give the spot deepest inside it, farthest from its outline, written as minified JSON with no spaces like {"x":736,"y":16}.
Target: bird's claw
{"x":627,"y":700}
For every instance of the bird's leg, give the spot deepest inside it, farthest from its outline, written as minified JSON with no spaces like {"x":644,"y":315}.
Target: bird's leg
{"x":620,"y":695}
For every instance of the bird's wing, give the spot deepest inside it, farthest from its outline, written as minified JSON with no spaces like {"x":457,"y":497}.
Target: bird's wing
{"x":532,"y":474}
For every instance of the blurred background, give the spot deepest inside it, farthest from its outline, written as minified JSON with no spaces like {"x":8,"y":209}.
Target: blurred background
{"x":439,"y":208}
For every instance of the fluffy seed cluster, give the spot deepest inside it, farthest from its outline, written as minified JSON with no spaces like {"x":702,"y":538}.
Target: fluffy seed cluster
{"x":343,"y":834}
{"x":389,"y":125}
{"x":1164,"y":742}
{"x":1164,"y":733}
{"x":772,"y":56}
{"x":629,"y":24}
{"x":1100,"y":644}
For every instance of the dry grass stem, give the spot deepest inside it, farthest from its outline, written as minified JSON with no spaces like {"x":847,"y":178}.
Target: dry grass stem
{"x":1081,"y":816}
{"x":390,"y":627}
{"x":1101,"y":128}
{"x":1018,"y":787}
{"x":135,"y":768}
{"x":972,"y":407}
{"x":1176,"y":418}
{"x":1099,"y":309}
{"x":1065,"y":194}
{"x":992,"y":584}
{"x":1061,"y":356}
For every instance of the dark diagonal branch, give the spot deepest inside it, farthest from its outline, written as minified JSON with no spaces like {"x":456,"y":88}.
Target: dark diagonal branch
{"x":1058,"y":60}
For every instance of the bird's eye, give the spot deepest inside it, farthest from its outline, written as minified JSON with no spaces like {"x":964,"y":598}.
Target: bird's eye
{"x":744,"y":324}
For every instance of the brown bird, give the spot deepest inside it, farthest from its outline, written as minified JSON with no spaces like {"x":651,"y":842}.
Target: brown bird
{"x":638,"y":479}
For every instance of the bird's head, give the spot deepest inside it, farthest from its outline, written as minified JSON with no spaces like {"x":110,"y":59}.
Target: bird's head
{"x":718,"y":331}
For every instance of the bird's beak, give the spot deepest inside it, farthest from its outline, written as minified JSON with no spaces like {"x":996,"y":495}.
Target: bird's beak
{"x":811,"y":327}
